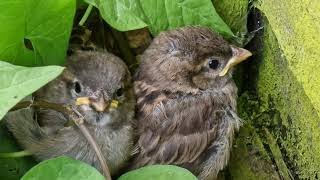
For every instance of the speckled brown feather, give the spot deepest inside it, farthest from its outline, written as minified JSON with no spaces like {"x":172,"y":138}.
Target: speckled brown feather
{"x":186,"y":114}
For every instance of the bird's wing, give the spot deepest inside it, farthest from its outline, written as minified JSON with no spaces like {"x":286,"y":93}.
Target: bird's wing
{"x":175,"y":132}
{"x":35,"y":139}
{"x":177,"y":149}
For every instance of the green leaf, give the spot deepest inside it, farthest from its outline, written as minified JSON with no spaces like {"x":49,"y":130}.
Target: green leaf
{"x":62,"y":168}
{"x":160,"y":15}
{"x":46,"y":24}
{"x":16,"y":82}
{"x":159,"y":172}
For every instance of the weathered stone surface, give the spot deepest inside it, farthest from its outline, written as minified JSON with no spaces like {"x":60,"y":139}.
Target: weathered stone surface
{"x":286,"y":106}
{"x":298,"y":123}
{"x":289,"y":81}
{"x":249,"y":160}
{"x":296,"y":26}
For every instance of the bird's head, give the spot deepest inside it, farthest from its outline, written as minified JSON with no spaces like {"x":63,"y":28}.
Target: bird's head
{"x":190,"y":55}
{"x":99,"y":84}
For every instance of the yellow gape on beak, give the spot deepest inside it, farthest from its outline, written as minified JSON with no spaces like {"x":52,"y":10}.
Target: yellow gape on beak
{"x":100,"y":105}
{"x":82,"y":101}
{"x":114,"y":104}
{"x":238,"y":55}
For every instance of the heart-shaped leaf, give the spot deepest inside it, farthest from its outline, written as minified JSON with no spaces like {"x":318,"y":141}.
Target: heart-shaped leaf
{"x":159,"y":172}
{"x":62,"y":168}
{"x":35,"y":32}
{"x":160,"y":15}
{"x":17,"y":82}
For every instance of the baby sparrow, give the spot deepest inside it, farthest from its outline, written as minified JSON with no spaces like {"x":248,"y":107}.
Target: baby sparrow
{"x":103,"y":81}
{"x":186,"y":101}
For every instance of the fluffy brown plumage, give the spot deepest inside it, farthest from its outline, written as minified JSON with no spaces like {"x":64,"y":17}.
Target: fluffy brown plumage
{"x":186,"y":101}
{"x":100,"y":76}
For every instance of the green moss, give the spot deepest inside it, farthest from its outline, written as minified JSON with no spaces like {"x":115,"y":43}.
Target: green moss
{"x":286,"y":112}
{"x":249,"y":160}
{"x":296,"y":26}
{"x":298,"y":124}
{"x":277,"y":155}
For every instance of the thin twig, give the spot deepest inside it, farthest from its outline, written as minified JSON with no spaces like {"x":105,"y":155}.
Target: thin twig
{"x":43,"y":104}
{"x":86,"y":15}
{"x":80,"y":123}
{"x":71,"y":113}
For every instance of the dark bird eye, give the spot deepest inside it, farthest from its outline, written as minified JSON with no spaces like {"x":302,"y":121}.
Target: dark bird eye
{"x":213,"y":64}
{"x":119,"y":92}
{"x":77,"y":87}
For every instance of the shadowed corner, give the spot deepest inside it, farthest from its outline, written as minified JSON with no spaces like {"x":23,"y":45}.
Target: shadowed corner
{"x":12,"y":168}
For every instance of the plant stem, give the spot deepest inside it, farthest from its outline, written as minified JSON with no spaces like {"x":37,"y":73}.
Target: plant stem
{"x":15,"y":154}
{"x":79,"y":121}
{"x":43,"y":104}
{"x":86,"y":15}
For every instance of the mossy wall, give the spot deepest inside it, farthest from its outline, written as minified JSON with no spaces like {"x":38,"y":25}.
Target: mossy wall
{"x":296,"y":26}
{"x":281,"y":109}
{"x":289,"y":78}
{"x":297,"y":128}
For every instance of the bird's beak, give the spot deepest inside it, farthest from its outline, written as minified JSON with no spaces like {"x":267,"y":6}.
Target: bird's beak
{"x":99,"y":105}
{"x":238,"y":55}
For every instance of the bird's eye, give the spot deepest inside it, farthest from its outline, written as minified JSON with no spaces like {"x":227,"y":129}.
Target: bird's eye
{"x":119,"y":92}
{"x":213,"y":64}
{"x":77,"y":87}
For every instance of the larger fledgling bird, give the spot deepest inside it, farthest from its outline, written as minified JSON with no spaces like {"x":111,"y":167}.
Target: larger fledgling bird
{"x":186,"y":101}
{"x":104,"y":80}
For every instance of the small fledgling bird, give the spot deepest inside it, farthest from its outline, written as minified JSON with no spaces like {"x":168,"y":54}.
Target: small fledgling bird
{"x":104,"y":81}
{"x":186,"y":101}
